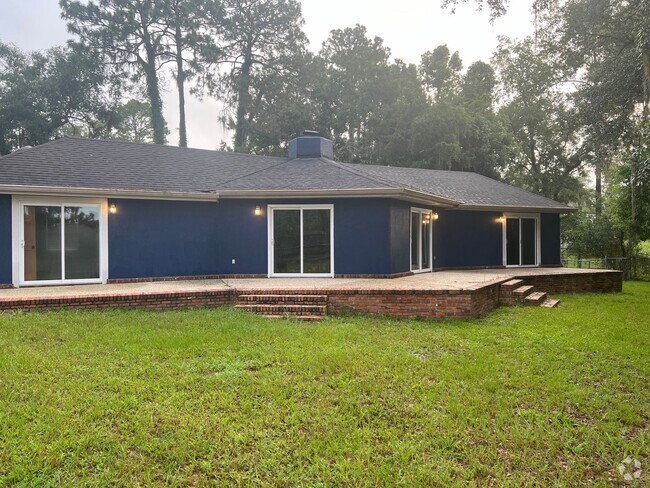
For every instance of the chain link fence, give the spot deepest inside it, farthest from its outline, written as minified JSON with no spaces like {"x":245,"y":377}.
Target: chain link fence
{"x":634,"y":268}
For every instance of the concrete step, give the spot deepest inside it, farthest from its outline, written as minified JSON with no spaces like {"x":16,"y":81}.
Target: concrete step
{"x":283,"y":299}
{"x":536,"y":298}
{"x":283,"y":309}
{"x":550,"y":303}
{"x":511,"y":285}
{"x":523,"y":291}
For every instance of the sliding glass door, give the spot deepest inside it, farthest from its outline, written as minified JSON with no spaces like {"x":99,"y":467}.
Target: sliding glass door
{"x":521,"y":241}
{"x":301,"y":241}
{"x":421,"y":240}
{"x":60,"y":243}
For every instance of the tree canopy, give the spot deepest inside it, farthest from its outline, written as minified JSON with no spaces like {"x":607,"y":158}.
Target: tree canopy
{"x":563,"y":112}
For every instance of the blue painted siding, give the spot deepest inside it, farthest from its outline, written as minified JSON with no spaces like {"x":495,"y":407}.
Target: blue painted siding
{"x":400,"y":237}
{"x":162,"y":238}
{"x":550,"y":239}
{"x":5,"y":239}
{"x":371,"y":236}
{"x":463,"y":238}
{"x":362,"y":243}
{"x":166,"y":238}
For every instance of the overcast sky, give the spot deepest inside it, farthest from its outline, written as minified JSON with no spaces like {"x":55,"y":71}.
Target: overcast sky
{"x":408,"y":27}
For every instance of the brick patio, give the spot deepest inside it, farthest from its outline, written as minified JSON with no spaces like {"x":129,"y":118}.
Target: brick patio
{"x":439,"y":295}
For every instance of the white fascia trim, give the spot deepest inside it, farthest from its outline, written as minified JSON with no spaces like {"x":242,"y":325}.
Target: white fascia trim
{"x":492,"y":208}
{"x":106,"y":193}
{"x":399,"y":193}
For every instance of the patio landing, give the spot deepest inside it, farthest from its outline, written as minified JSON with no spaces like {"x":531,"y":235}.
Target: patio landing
{"x":439,"y":295}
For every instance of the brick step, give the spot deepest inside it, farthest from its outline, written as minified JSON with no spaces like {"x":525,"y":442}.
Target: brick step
{"x":509,"y":286}
{"x":535,"y":298}
{"x":289,"y":299}
{"x":550,"y":303}
{"x":523,"y":291}
{"x":284,"y":309}
{"x":304,"y":318}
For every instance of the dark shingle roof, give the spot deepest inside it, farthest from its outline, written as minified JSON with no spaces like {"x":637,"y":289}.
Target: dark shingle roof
{"x":472,"y":189}
{"x":112,"y":165}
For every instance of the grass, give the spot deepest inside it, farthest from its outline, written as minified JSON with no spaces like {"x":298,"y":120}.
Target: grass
{"x":527,"y":396}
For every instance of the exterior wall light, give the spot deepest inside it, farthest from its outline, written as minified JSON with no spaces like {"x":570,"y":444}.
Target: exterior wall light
{"x":435,"y":216}
{"x":501,"y":219}
{"x":258,"y":210}
{"x":112,"y":209}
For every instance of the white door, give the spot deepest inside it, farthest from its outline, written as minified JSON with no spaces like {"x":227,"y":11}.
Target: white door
{"x":301,"y":240}
{"x":421,"y":240}
{"x":61,"y":242}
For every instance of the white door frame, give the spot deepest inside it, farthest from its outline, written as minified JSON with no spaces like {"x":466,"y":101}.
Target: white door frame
{"x":421,"y":211}
{"x":538,"y":239}
{"x":270,"y":210}
{"x":18,"y":204}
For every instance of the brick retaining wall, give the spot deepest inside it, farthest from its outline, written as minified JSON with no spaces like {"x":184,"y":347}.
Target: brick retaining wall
{"x":597,"y":282}
{"x":146,"y":301}
{"x":432,"y":304}
{"x":402,"y":303}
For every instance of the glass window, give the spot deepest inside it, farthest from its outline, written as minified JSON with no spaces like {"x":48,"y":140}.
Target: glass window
{"x":316,"y":241}
{"x":415,"y":241}
{"x":426,"y":241}
{"x":528,"y":242}
{"x":42,"y":243}
{"x":512,"y":242}
{"x":81,"y":242}
{"x":286,"y":237}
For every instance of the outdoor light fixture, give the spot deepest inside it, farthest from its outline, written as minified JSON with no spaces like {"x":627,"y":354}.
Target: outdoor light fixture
{"x":112,"y":209}
{"x":258,"y":210}
{"x":435,"y":216}
{"x":501,"y":220}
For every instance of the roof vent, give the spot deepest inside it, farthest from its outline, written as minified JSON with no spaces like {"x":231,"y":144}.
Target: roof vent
{"x":310,"y":145}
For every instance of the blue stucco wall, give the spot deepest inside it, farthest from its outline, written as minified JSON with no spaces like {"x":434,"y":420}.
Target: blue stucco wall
{"x":463,"y":238}
{"x":550,"y":239}
{"x":5,"y":239}
{"x":170,"y":238}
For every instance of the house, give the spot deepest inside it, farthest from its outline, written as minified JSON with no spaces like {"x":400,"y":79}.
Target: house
{"x":76,"y":211}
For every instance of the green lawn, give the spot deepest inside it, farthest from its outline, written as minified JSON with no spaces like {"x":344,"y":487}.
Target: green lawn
{"x":527,"y":396}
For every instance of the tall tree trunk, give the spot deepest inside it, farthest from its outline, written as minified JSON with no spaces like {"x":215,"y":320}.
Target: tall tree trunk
{"x":243,"y":103}
{"x":599,"y":190}
{"x":153,"y":93}
{"x":646,"y":83}
{"x":153,"y":88}
{"x":180,"y":82}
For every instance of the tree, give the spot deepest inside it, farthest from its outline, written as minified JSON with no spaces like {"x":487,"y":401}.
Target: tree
{"x":44,"y":94}
{"x":190,"y":43}
{"x":134,"y":122}
{"x":628,"y":201}
{"x":390,"y":129}
{"x":542,"y":120}
{"x":260,"y":40}
{"x":441,"y":71}
{"x":357,"y":73}
{"x":497,"y":8}
{"x":129,"y":34}
{"x":591,"y":236}
{"x":478,"y":86}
